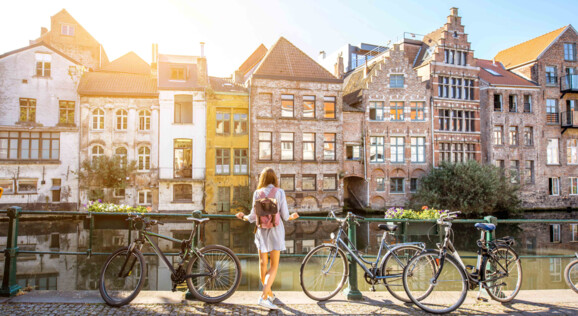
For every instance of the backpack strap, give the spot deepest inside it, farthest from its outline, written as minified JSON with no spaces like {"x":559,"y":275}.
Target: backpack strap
{"x":272,"y":193}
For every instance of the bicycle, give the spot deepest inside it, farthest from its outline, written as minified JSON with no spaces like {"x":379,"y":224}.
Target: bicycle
{"x":571,"y":274}
{"x":212,"y":273}
{"x":325,"y":268}
{"x":437,"y":280}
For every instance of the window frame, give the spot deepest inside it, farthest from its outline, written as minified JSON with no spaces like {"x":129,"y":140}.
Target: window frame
{"x":498,"y":135}
{"x":571,"y":51}
{"x":416,"y":148}
{"x":240,"y":119}
{"x":374,"y":106}
{"x":395,"y":82}
{"x":335,"y":182}
{"x":394,"y":184}
{"x":529,"y":177}
{"x":528,"y":105}
{"x":417,"y":111}
{"x":329,"y":107}
{"x":144,"y":120}
{"x":572,"y":151}
{"x":98,"y":116}
{"x":528,"y":136}
{"x":26,"y":180}
{"x":144,"y":158}
{"x":284,"y":178}
{"x":286,"y":101}
{"x":553,"y":152}
{"x":264,"y":142}
{"x":327,"y":144}
{"x":396,"y":111}
{"x":10,"y":189}
{"x":374,"y":147}
{"x":121,"y":118}
{"x":223,"y":118}
{"x":397,"y":153}
{"x":237,"y":156}
{"x":551,"y":73}
{"x":99,"y":153}
{"x":222,"y":161}
{"x":223,"y":205}
{"x":573,"y":188}
{"x":27,"y":110}
{"x":554,"y":186}
{"x":309,"y":101}
{"x":285,"y":142}
{"x":513,"y":103}
{"x":147,"y":194}
{"x":307,"y":142}
{"x":180,"y":199}
{"x":353,"y":151}
{"x":184,"y":145}
{"x":309,"y":177}
{"x":29,"y":146}
{"x":66,"y":111}
{"x":380,"y":184}
{"x":513,"y":136}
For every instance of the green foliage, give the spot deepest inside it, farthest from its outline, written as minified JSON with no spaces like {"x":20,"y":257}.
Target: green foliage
{"x":243,"y":201}
{"x":470,"y":187}
{"x":104,"y":173}
{"x":425,"y":213}
{"x":98,"y":206}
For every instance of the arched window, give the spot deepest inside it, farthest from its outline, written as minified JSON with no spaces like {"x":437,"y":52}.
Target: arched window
{"x":144,"y":120}
{"x":98,"y":119}
{"x":121,"y":152}
{"x":144,"y":158}
{"x":121,"y":120}
{"x":96,"y":152}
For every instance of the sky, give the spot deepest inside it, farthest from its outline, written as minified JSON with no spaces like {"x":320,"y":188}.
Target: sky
{"x":232,"y":30}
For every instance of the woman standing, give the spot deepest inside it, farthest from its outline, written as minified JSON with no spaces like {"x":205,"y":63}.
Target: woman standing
{"x":270,"y":241}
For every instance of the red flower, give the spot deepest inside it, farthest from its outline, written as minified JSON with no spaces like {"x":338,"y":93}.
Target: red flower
{"x":424,"y":207}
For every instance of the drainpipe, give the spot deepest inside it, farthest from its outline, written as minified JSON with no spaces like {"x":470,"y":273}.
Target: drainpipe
{"x":363,"y":136}
{"x":432,"y":132}
{"x":79,"y":150}
{"x":249,"y":132}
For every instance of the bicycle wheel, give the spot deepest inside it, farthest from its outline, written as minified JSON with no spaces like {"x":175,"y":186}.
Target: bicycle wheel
{"x":502,"y":274}
{"x":323,"y":272}
{"x":449,"y":290}
{"x":393,"y":265}
{"x":122,"y":277}
{"x":571,"y":275}
{"x":225,"y":274}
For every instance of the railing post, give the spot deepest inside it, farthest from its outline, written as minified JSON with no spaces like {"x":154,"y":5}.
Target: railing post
{"x":9,"y":285}
{"x":352,"y":292}
{"x":490,"y":236}
{"x":195,"y":241}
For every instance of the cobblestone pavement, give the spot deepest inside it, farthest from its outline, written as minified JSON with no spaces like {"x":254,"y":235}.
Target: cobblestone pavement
{"x":367,"y":307}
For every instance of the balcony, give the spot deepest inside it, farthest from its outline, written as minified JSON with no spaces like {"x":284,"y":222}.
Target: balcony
{"x":569,"y":120}
{"x":569,"y":84}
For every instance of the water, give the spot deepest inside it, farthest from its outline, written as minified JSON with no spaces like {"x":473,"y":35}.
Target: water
{"x":80,"y":272}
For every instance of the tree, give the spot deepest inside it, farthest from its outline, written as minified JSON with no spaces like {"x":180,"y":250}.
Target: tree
{"x":104,"y":172}
{"x":469,"y":187}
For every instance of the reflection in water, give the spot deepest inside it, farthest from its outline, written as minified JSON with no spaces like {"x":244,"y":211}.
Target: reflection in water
{"x":79,"y":272}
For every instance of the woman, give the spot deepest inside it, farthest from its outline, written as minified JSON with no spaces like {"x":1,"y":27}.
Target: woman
{"x":270,"y":241}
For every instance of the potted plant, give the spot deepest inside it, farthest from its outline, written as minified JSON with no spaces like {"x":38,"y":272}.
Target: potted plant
{"x":105,"y":214}
{"x":416,"y":228}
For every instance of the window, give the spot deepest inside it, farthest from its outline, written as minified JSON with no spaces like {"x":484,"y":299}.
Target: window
{"x":471,"y":151}
{"x":569,"y":51}
{"x":121,"y":153}
{"x":552,"y":152}
{"x":264,"y":146}
{"x":574,"y":230}
{"x":555,"y":233}
{"x":396,"y":81}
{"x":513,"y":103}
{"x":497,"y":103}
{"x":500,"y":164}
{"x":144,"y":158}
{"x":444,"y":116}
{"x":43,"y":65}
{"x":66,"y":112}
{"x":528,"y":136}
{"x":449,"y":56}
{"x":329,"y":107}
{"x":555,"y":265}
{"x":145,"y":197}
{"x":377,"y":149}
{"x":182,"y":192}
{"x":287,"y":182}
{"x":96,"y":152}
{"x":183,"y":153}
{"x":413,"y":185}
{"x":309,"y":182}
{"x":470,"y":121}
{"x":309,"y":106}
{"x":309,"y":146}
{"x":455,"y":88}
{"x":376,"y":111}
{"x":241,"y":161}
{"x":353,"y":152}
{"x":455,"y":57}
{"x":27,"y":110}
{"x":29,"y":146}
{"x":144,"y":120}
{"x":551,"y":78}
{"x":468,"y":89}
{"x":498,"y":135}
{"x":458,"y":152}
{"x":417,"y":111}
{"x":514,"y":171}
{"x":443,"y":87}
{"x":183,"y":109}
{"x":119,"y":193}
{"x":554,"y":186}
{"x":7,"y":185}
{"x":307,"y":245}
{"x":240,"y":124}
{"x":529,"y":174}
{"x":397,"y":149}
{"x":492,"y":72}
{"x":527,"y":103}
{"x":240,"y":193}
{"x":418,"y":149}
{"x":287,"y":104}
{"x":177,"y":73}
{"x":572,"y":151}
{"x":27,"y":186}
{"x":329,"y":146}
{"x":287,"y":146}
{"x":552,"y":111}
{"x":121,"y":120}
{"x":513,"y":136}
{"x":98,"y":119}
{"x":397,"y":185}
{"x":223,"y":164}
{"x":67,"y":29}
{"x":457,"y":120}
{"x":223,"y":123}
{"x":380,"y":184}
{"x":445,"y":151}
{"x":396,"y":111}
{"x":573,"y":186}
{"x":289,"y":247}
{"x":329,"y":182}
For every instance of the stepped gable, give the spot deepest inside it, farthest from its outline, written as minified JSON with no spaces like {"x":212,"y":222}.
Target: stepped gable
{"x":253,"y":60}
{"x":285,"y":61}
{"x":356,"y":81}
{"x":528,"y":51}
{"x":505,"y":77}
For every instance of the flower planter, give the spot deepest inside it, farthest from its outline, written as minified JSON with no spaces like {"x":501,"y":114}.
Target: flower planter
{"x":107,"y":221}
{"x":418,"y":229}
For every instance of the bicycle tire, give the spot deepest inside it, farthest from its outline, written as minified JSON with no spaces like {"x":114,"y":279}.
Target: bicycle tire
{"x":435,"y":297}
{"x":117,"y":291}
{"x":226,"y":263}
{"x":391,"y":267}
{"x":571,"y":275}
{"x":506,"y":258}
{"x":312,"y":270}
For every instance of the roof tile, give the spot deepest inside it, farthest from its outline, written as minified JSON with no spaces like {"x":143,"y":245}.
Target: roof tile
{"x":505,"y":78}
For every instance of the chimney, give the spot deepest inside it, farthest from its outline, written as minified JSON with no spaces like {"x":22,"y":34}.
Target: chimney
{"x":202,"y":49}
{"x":202,"y":72}
{"x":339,"y":68}
{"x":322,"y":55}
{"x":155,"y":59}
{"x":238,"y":77}
{"x":43,"y":31}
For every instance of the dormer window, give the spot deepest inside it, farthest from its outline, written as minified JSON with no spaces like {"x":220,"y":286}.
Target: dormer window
{"x":43,"y":65}
{"x":67,"y":29}
{"x":177,"y":73}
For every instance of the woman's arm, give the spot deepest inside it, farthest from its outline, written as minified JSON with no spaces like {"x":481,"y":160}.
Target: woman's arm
{"x":252,"y":217}
{"x":283,"y":208}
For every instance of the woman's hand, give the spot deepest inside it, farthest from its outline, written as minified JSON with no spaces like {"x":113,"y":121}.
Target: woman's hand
{"x":240,"y":215}
{"x":293,"y":216}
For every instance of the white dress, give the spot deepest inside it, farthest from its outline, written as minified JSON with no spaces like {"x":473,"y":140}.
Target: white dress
{"x":268,"y":239}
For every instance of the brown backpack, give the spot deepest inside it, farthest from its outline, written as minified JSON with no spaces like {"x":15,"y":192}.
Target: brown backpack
{"x":266,"y":209}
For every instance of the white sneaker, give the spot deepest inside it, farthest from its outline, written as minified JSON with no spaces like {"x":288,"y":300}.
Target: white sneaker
{"x":266,"y":303}
{"x":271,"y":298}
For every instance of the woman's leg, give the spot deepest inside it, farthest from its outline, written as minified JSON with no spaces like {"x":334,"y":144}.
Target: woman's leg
{"x":263,"y":258}
{"x":270,"y":276}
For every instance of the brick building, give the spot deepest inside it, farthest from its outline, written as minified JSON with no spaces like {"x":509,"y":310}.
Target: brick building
{"x":550,"y":61}
{"x":296,"y":127}
{"x":387,"y":130}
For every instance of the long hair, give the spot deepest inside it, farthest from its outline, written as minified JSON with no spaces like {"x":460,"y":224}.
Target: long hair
{"x":267,"y":177}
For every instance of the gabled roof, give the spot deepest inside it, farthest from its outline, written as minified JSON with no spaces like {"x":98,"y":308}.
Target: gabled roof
{"x":225,"y":85}
{"x":128,"y":63}
{"x":528,"y":51}
{"x":36,"y":45}
{"x":504,"y":77}
{"x":253,"y":60}
{"x":285,"y":61}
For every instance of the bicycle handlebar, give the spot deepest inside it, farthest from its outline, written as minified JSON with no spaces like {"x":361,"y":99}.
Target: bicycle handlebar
{"x":448,"y":217}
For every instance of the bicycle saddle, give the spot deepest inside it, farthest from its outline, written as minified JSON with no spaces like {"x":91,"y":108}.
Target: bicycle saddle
{"x":198,"y":220}
{"x":485,"y":227}
{"x":387,"y":227}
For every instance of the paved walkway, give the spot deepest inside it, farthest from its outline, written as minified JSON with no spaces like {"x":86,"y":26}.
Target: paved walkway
{"x":548,"y":302}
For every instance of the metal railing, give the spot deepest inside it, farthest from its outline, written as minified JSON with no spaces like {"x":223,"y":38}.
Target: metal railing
{"x":10,"y":286}
{"x":569,"y":118}
{"x":569,"y":83}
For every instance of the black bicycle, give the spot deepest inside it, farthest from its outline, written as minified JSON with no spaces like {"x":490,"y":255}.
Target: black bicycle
{"x":571,"y":274}
{"x":212,"y":273}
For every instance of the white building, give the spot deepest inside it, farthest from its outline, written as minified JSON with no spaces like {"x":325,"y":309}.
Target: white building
{"x":39,"y":128}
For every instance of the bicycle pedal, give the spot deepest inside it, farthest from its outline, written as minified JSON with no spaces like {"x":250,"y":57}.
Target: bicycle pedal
{"x":482,"y":299}
{"x":372,"y":289}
